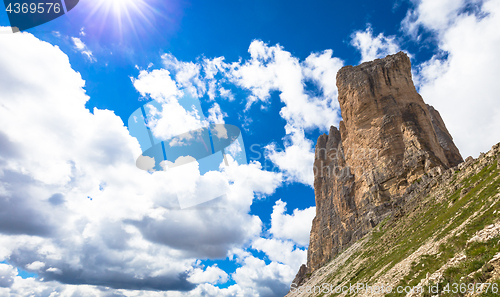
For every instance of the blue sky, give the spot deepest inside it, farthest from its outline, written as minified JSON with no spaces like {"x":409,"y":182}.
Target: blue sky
{"x":268,"y":67}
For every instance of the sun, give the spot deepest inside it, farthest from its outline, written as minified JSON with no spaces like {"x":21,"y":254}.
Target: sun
{"x":120,"y":6}
{"x":123,"y":16}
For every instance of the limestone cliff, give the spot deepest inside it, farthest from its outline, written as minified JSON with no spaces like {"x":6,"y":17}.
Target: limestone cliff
{"x":450,"y":150}
{"x":388,"y":139}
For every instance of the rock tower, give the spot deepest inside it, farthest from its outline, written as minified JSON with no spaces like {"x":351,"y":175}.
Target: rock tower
{"x":388,"y":139}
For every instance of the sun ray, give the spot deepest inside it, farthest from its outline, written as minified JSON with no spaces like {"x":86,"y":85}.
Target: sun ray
{"x":120,"y":15}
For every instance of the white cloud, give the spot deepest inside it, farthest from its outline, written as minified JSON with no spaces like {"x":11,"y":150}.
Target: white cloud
{"x":54,"y":270}
{"x":37,"y":265}
{"x":297,"y":159}
{"x":76,"y":202}
{"x":461,"y":80}
{"x":234,"y":149}
{"x":170,"y":118}
{"x":216,"y":116}
{"x":212,"y":89}
{"x":7,"y":275}
{"x":255,"y":277}
{"x":249,"y":178}
{"x":322,"y":69}
{"x":81,"y":47}
{"x":187,"y":74}
{"x":259,"y":279}
{"x":215,"y":71}
{"x":227,"y":94}
{"x":78,"y":43}
{"x":373,"y":47}
{"x":158,"y":84}
{"x":76,"y":152}
{"x":211,"y":274}
{"x":434,"y":15}
{"x":281,"y":251}
{"x":174,"y":119}
{"x":213,"y":66}
{"x":133,"y":222}
{"x":273,"y":69}
{"x":270,"y":68}
{"x":295,"y":227}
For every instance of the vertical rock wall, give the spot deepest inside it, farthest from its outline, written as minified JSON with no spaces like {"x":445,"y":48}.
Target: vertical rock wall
{"x":444,"y":137}
{"x":388,"y":139}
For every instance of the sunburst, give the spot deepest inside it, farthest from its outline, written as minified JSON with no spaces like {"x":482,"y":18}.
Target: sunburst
{"x":120,"y":13}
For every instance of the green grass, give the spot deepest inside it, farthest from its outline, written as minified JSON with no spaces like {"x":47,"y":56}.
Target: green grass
{"x":478,"y":254}
{"x":393,"y":240}
{"x":462,"y":208}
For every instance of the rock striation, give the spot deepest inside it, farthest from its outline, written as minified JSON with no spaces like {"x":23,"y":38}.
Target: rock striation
{"x":388,"y":139}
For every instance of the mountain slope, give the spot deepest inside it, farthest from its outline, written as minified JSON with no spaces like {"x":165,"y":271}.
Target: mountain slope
{"x":445,"y":231}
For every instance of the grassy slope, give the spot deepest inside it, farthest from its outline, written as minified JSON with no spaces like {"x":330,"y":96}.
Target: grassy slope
{"x":440,"y":218}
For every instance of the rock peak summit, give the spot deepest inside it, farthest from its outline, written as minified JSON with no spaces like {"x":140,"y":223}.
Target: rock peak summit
{"x":388,"y":139}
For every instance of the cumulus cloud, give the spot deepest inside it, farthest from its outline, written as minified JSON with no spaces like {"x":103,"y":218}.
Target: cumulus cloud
{"x":7,"y":274}
{"x":173,"y":114}
{"x":226,"y":94}
{"x":460,"y":80}
{"x":296,"y":160}
{"x":281,"y":251}
{"x":76,"y":152}
{"x":295,"y":226}
{"x":216,"y":115}
{"x":373,"y":47}
{"x":258,"y":279}
{"x":322,"y":69}
{"x":307,"y":89}
{"x":434,"y":15}
{"x":91,"y":211}
{"x":173,"y":119}
{"x":271,"y":68}
{"x":211,"y":274}
{"x":158,"y":84}
{"x":282,"y":248}
{"x":74,"y":208}
{"x":35,"y":266}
